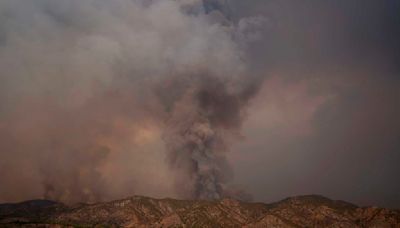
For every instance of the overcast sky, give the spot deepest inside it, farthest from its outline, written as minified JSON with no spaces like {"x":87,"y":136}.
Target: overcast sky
{"x":327,"y":118}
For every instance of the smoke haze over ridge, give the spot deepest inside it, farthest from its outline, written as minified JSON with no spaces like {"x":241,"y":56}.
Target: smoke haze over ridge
{"x":186,"y":98}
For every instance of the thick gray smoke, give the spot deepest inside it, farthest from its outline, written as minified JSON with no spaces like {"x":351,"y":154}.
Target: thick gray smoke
{"x":201,"y":122}
{"x":94,"y":91}
{"x":204,"y":113}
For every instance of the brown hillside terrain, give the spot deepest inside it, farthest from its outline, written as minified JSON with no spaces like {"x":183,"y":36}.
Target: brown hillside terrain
{"x":137,"y":211}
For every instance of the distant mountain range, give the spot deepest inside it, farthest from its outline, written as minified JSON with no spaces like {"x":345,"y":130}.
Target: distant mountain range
{"x":138,"y":211}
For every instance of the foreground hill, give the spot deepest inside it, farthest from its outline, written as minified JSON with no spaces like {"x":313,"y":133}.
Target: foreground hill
{"x":137,"y":211}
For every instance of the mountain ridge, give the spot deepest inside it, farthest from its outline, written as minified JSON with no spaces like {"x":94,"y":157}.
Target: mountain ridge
{"x":141,"y":211}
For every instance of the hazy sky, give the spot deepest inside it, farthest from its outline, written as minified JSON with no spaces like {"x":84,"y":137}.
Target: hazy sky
{"x":284,"y":97}
{"x":327,"y":118}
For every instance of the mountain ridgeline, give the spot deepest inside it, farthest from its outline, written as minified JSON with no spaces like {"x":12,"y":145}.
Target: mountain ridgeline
{"x":138,"y":211}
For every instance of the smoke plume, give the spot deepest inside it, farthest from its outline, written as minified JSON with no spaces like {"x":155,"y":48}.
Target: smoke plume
{"x":204,"y":114}
{"x":104,"y":99}
{"x":201,"y":121}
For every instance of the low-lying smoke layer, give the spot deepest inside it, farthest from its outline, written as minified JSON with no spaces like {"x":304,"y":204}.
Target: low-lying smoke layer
{"x":88,"y":88}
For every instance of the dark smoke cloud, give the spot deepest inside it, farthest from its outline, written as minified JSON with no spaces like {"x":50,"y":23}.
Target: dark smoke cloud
{"x":205,"y":116}
{"x":203,"y":121}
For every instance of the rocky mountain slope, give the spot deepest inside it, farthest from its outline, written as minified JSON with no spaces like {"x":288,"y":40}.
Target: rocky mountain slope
{"x":137,"y":211}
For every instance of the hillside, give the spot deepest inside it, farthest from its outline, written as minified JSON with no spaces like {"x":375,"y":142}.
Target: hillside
{"x":138,"y":211}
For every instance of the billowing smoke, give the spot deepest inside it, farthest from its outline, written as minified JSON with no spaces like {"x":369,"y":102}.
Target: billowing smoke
{"x":104,"y":99}
{"x":203,"y":115}
{"x":201,"y":122}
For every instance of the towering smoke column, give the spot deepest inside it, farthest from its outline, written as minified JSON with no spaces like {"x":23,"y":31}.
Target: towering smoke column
{"x":201,"y":121}
{"x":203,"y":117}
